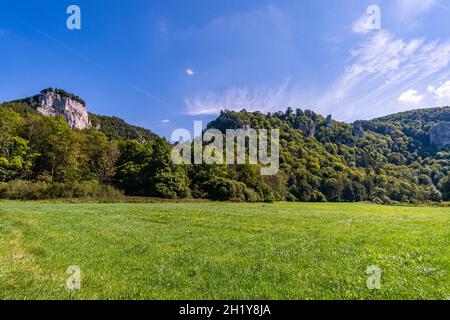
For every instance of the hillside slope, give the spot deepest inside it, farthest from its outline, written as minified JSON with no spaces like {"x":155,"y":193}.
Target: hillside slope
{"x":398,"y":158}
{"x":112,"y":127}
{"x":386,"y":159}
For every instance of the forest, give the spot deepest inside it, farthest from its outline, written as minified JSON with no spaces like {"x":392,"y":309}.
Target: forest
{"x":386,"y":160}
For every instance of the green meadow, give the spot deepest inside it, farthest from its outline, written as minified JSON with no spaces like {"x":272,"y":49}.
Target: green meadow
{"x":169,"y":250}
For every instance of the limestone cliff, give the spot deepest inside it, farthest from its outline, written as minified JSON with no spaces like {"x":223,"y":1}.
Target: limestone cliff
{"x":52,"y":103}
{"x":358,"y":129}
{"x":440,"y":134}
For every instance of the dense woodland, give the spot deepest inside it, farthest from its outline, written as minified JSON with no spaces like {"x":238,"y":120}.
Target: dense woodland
{"x":386,"y":160}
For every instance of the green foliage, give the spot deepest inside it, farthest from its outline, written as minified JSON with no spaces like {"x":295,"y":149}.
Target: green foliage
{"x":57,"y":146}
{"x":226,"y":189}
{"x":28,"y":190}
{"x":166,"y":179}
{"x":131,"y":175}
{"x":147,"y":169}
{"x":320,"y":159}
{"x":445,"y":187}
{"x":117,"y":129}
{"x":325,"y":161}
{"x":15,"y":157}
{"x":99,"y":156}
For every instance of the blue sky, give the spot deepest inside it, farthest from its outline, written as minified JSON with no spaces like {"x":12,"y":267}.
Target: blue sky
{"x":164,"y":64}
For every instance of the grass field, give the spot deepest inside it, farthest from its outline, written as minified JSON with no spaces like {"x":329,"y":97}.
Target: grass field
{"x":223,"y":251}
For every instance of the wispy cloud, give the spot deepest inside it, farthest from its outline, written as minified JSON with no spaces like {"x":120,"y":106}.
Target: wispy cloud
{"x":408,"y":12}
{"x":190,"y":72}
{"x":380,"y":73}
{"x":369,"y":21}
{"x":382,"y":68}
{"x":243,"y":44}
{"x":264,"y":99}
{"x":384,"y":73}
{"x":362,"y":25}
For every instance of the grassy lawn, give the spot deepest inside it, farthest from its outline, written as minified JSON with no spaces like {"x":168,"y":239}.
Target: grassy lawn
{"x":223,"y":251}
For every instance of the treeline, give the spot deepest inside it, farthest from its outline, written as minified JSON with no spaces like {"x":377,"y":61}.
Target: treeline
{"x":42,"y":157}
{"x":320,"y":160}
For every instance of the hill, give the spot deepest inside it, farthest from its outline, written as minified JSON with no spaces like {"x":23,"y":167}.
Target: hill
{"x":53,"y":101}
{"x":398,"y":158}
{"x":117,"y":128}
{"x":386,"y":159}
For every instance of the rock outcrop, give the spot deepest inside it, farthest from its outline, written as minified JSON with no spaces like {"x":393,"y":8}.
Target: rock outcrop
{"x":329,"y":122}
{"x":440,"y":134}
{"x":308,"y":127}
{"x":358,"y":129}
{"x":51,"y":103}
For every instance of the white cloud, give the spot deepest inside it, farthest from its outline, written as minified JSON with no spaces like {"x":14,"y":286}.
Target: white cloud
{"x":362,"y":25}
{"x":410,"y":96}
{"x":165,"y":121}
{"x":441,"y":92}
{"x":190,"y":72}
{"x":370,"y":21}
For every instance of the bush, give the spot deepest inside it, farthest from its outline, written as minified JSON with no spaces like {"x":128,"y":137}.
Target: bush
{"x":265,"y":193}
{"x":291,"y":198}
{"x":23,"y":190}
{"x":377,"y":200}
{"x":223,"y":189}
{"x":27,"y":190}
{"x":171,"y":185}
{"x":318,"y":196}
{"x":382,"y":200}
{"x":445,"y":187}
{"x":251,"y":195}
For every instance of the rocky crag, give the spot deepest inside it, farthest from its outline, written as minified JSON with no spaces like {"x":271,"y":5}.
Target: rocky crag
{"x":440,"y":134}
{"x":53,"y":103}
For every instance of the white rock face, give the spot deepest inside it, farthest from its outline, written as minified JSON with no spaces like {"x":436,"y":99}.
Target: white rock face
{"x":53,"y":104}
{"x":440,"y":134}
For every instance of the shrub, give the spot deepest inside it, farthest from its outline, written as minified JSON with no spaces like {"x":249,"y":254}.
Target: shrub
{"x":377,"y":200}
{"x":445,"y":187}
{"x":224,"y":189}
{"x":27,"y":190}
{"x":318,"y":196}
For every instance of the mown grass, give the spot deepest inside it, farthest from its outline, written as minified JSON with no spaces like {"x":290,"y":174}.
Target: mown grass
{"x":223,"y":251}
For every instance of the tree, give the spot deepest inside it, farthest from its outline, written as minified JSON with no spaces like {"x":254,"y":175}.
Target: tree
{"x":445,"y":187}
{"x":147,"y":169}
{"x":167,"y":180}
{"x":10,"y":122}
{"x":55,"y":143}
{"x":18,"y":163}
{"x":16,"y":159}
{"x":130,"y":174}
{"x":99,"y":155}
